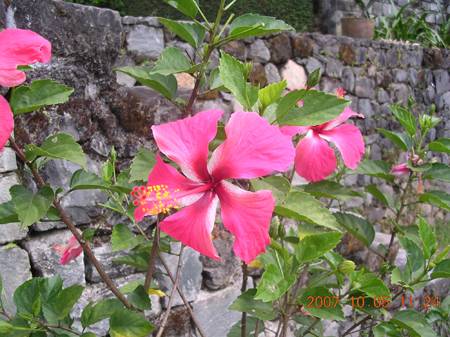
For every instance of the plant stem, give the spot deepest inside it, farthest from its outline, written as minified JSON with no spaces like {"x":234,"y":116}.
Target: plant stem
{"x":243,"y":289}
{"x":309,"y":329}
{"x":71,"y":226}
{"x":183,"y":298}
{"x":172,"y":293}
{"x":152,"y":259}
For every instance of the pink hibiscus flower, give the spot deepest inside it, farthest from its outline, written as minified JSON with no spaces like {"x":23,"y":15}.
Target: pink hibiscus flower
{"x":70,"y":251}
{"x":400,"y":169}
{"x":315,"y":159}
{"x":253,"y":148}
{"x":18,"y":47}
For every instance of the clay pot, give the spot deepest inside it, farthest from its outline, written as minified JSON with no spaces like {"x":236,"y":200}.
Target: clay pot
{"x":361,"y":28}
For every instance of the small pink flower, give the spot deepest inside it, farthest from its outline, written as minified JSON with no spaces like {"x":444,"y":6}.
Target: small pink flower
{"x":400,"y":169}
{"x":253,"y":148}
{"x":70,"y":251}
{"x":17,"y":47}
{"x":315,"y":159}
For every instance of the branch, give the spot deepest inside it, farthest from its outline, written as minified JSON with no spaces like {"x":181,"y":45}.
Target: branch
{"x":152,"y":259}
{"x":71,"y":226}
{"x":243,"y":289}
{"x":172,"y":293}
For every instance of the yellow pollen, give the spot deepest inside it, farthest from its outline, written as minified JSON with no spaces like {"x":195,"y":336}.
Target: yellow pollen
{"x":155,"y":199}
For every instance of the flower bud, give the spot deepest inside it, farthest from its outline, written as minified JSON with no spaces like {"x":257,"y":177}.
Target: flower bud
{"x":346,"y":267}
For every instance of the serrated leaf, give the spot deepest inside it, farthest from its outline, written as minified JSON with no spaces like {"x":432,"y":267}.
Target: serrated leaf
{"x":414,"y":322}
{"x":122,"y":238}
{"x":139,"y":298}
{"x":372,"y":286}
{"x":233,"y":76}
{"x":59,"y":146}
{"x":38,"y":94}
{"x":330,"y":189}
{"x":27,"y":297}
{"x":438,"y":171}
{"x":270,"y":94}
{"x":248,"y":25}
{"x":192,"y":33}
{"x":314,"y":78}
{"x":405,"y":118}
{"x":318,"y":108}
{"x":59,"y":307}
{"x":436,"y":198}
{"x":165,"y":85}
{"x":172,"y":61}
{"x":304,"y":207}
{"x":8,"y":213}
{"x":440,"y":145}
{"x":279,"y":186}
{"x":142,"y":165}
{"x":402,"y":140}
{"x":83,"y":180}
{"x":315,"y":245}
{"x":246,"y":302}
{"x":31,"y":207}
{"x":427,"y":237}
{"x":187,"y":7}
{"x":387,"y":200}
{"x":126,"y":323}
{"x":94,"y":313}
{"x":442,"y":270}
{"x":375,"y":168}
{"x":357,"y":226}
{"x":333,"y":312}
{"x":415,"y":259}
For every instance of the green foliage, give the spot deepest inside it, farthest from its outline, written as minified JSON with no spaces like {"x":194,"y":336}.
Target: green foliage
{"x":31,"y":207}
{"x":122,"y":238}
{"x":246,"y":302}
{"x":142,"y":165}
{"x":126,"y":323}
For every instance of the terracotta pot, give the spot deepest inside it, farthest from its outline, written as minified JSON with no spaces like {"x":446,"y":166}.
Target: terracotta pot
{"x":361,"y":28}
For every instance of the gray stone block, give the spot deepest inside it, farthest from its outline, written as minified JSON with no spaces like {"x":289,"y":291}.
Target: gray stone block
{"x":6,"y":182}
{"x":12,"y":232}
{"x":145,"y":42}
{"x":46,"y":260}
{"x":7,"y":160}
{"x":272,"y":73}
{"x":259,"y":52}
{"x":14,"y":270}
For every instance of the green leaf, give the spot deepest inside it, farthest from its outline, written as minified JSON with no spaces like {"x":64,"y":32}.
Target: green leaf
{"x":405,"y":118}
{"x":440,"y":145}
{"x":313,"y":300}
{"x":318,"y":108}
{"x":387,"y":200}
{"x":436,"y":198}
{"x":233,"y":76}
{"x":375,"y":168}
{"x":59,"y":146}
{"x":89,"y":334}
{"x":274,"y":284}
{"x":357,"y":226}
{"x":402,"y":140}
{"x":142,"y":165}
{"x":165,"y":85}
{"x":248,"y":25}
{"x":270,"y":94}
{"x":246,"y":302}
{"x":59,"y":307}
{"x":122,"y":238}
{"x":438,"y":171}
{"x":5,"y":328}
{"x":126,"y":323}
{"x":27,"y":297}
{"x":94,"y":313}
{"x":187,"y":7}
{"x":8,"y":213}
{"x":192,"y":33}
{"x":415,"y":259}
{"x":83,"y":180}
{"x":372,"y":286}
{"x":386,"y":329}
{"x":414,"y":322}
{"x":314,"y":78}
{"x":31,"y":207}
{"x":38,"y":94}
{"x":304,"y":207}
{"x":426,"y":234}
{"x":172,"y":61}
{"x":140,"y":299}
{"x":279,"y":186}
{"x":235,"y":330}
{"x":442,"y":270}
{"x":315,"y":245}
{"x":331,"y":190}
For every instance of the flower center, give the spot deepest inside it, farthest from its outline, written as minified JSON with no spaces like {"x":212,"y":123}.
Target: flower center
{"x":155,"y":199}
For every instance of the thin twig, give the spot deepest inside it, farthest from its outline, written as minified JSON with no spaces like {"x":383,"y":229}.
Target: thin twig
{"x":172,"y":293}
{"x":243,"y":289}
{"x":71,"y":226}
{"x":361,"y":321}
{"x":311,"y":327}
{"x":183,"y":298}
{"x":152,"y":258}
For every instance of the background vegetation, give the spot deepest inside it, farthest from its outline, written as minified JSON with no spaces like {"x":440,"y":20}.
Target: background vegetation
{"x":298,"y":13}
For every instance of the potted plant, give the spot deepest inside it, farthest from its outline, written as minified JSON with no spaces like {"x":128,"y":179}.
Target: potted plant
{"x":359,"y":27}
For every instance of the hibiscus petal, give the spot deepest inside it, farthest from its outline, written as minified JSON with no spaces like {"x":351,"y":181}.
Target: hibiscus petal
{"x":253,"y":148}
{"x":20,"y":47}
{"x":193,"y":225}
{"x":291,"y":131}
{"x":186,"y":142}
{"x":247,"y":216}
{"x":181,"y":189}
{"x":6,"y":121}
{"x":349,"y":141}
{"x":315,"y":159}
{"x":342,"y":118}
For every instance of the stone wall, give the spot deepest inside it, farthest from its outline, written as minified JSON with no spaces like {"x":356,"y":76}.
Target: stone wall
{"x":331,"y":11}
{"x":109,"y":109}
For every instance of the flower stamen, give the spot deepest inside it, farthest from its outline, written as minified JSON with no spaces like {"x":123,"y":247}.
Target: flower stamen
{"x":155,"y":199}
